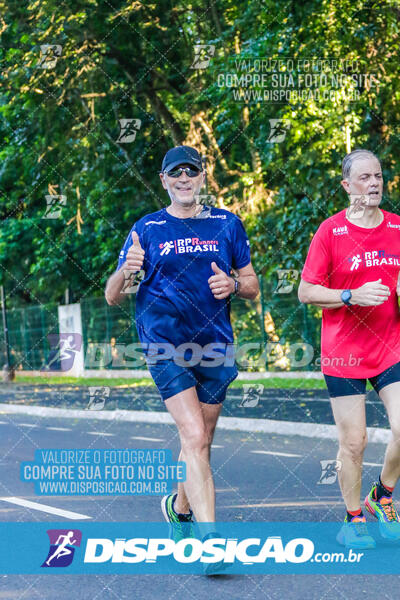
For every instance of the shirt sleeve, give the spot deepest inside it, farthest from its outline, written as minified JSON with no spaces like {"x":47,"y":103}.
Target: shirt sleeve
{"x":240,"y":245}
{"x":317,"y":267}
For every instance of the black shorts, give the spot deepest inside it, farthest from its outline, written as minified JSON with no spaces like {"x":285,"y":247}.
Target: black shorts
{"x":344,"y":386}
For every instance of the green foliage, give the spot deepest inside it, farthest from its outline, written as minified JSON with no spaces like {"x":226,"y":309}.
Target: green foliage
{"x":126,"y":59}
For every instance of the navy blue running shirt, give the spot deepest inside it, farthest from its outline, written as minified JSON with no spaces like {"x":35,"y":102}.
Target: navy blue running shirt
{"x":174,"y":303}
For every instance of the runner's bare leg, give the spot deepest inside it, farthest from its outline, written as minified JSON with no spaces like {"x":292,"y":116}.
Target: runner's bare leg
{"x":391,"y":466}
{"x":349,"y":414}
{"x":188,"y":415}
{"x":211,"y":413}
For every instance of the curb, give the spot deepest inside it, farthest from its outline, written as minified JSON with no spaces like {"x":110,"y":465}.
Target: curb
{"x":311,"y":430}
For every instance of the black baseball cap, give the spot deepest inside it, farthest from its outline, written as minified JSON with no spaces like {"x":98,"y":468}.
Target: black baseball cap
{"x":181,"y":155}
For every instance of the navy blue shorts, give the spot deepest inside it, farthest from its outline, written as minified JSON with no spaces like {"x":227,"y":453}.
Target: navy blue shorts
{"x":211,"y":382}
{"x":344,"y":386}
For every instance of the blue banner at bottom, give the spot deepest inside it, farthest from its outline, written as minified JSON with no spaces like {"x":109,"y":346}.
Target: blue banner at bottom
{"x":229,"y":548}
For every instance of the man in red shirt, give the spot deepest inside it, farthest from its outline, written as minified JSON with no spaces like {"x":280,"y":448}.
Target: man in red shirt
{"x":352,"y":272}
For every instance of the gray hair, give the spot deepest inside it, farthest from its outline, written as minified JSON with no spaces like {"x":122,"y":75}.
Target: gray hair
{"x":350,"y":158}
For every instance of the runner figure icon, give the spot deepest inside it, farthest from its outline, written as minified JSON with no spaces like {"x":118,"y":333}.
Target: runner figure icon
{"x":64,"y":346}
{"x":62,"y":549}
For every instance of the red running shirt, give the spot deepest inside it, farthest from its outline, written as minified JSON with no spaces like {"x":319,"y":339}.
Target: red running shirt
{"x":357,"y":341}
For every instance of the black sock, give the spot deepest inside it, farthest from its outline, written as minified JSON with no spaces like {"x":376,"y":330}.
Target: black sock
{"x":381,"y":490}
{"x":354,"y":513}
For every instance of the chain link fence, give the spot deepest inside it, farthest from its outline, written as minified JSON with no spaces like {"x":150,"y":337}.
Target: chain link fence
{"x":274,"y":332}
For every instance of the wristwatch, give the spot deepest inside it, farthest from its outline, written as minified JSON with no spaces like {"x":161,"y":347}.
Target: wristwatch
{"x":345,"y":296}
{"x":237,"y":286}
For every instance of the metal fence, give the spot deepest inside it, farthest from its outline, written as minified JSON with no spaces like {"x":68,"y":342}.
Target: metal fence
{"x":274,"y":332}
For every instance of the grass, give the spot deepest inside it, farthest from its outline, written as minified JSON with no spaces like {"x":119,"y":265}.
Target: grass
{"x":281,"y":382}
{"x":84,"y":381}
{"x":274,"y":382}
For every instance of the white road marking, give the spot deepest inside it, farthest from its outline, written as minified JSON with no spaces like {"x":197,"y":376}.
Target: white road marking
{"x":99,"y":433}
{"x":26,"y":425}
{"x":283,"y":504}
{"x":45,"y":508}
{"x":4,"y":423}
{"x":368,"y":464}
{"x":59,"y":428}
{"x":273,"y":453}
{"x":216,"y":446}
{"x":146,"y":439}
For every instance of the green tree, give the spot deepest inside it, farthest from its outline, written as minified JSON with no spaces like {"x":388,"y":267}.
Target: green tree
{"x":130,"y":60}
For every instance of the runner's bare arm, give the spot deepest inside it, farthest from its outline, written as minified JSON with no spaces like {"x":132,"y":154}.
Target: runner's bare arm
{"x":249,"y":287}
{"x":114,"y":286}
{"x":371,"y":293}
{"x":309,"y":293}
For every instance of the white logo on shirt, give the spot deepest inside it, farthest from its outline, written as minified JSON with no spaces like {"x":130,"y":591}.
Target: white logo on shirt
{"x":186,"y":245}
{"x":155,"y":222}
{"x":166,"y":248}
{"x":374,"y":258}
{"x":394,"y":225}
{"x":380,"y":257}
{"x":356,"y":262}
{"x":340,"y":230}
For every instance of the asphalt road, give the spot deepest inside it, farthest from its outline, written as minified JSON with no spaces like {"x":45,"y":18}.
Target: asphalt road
{"x":259,"y":477}
{"x":304,"y":405}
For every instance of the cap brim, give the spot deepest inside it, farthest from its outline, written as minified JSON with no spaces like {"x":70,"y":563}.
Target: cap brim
{"x":183,"y":162}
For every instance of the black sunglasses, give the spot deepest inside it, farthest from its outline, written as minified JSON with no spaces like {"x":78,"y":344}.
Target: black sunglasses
{"x":190,"y":172}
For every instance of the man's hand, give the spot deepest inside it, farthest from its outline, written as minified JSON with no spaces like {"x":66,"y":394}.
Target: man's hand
{"x":221,"y":285}
{"x":135,"y":255}
{"x":372,"y":293}
{"x":122,"y":280}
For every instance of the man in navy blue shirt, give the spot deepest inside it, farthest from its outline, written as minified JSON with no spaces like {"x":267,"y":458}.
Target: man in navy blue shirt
{"x":188,"y":252}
